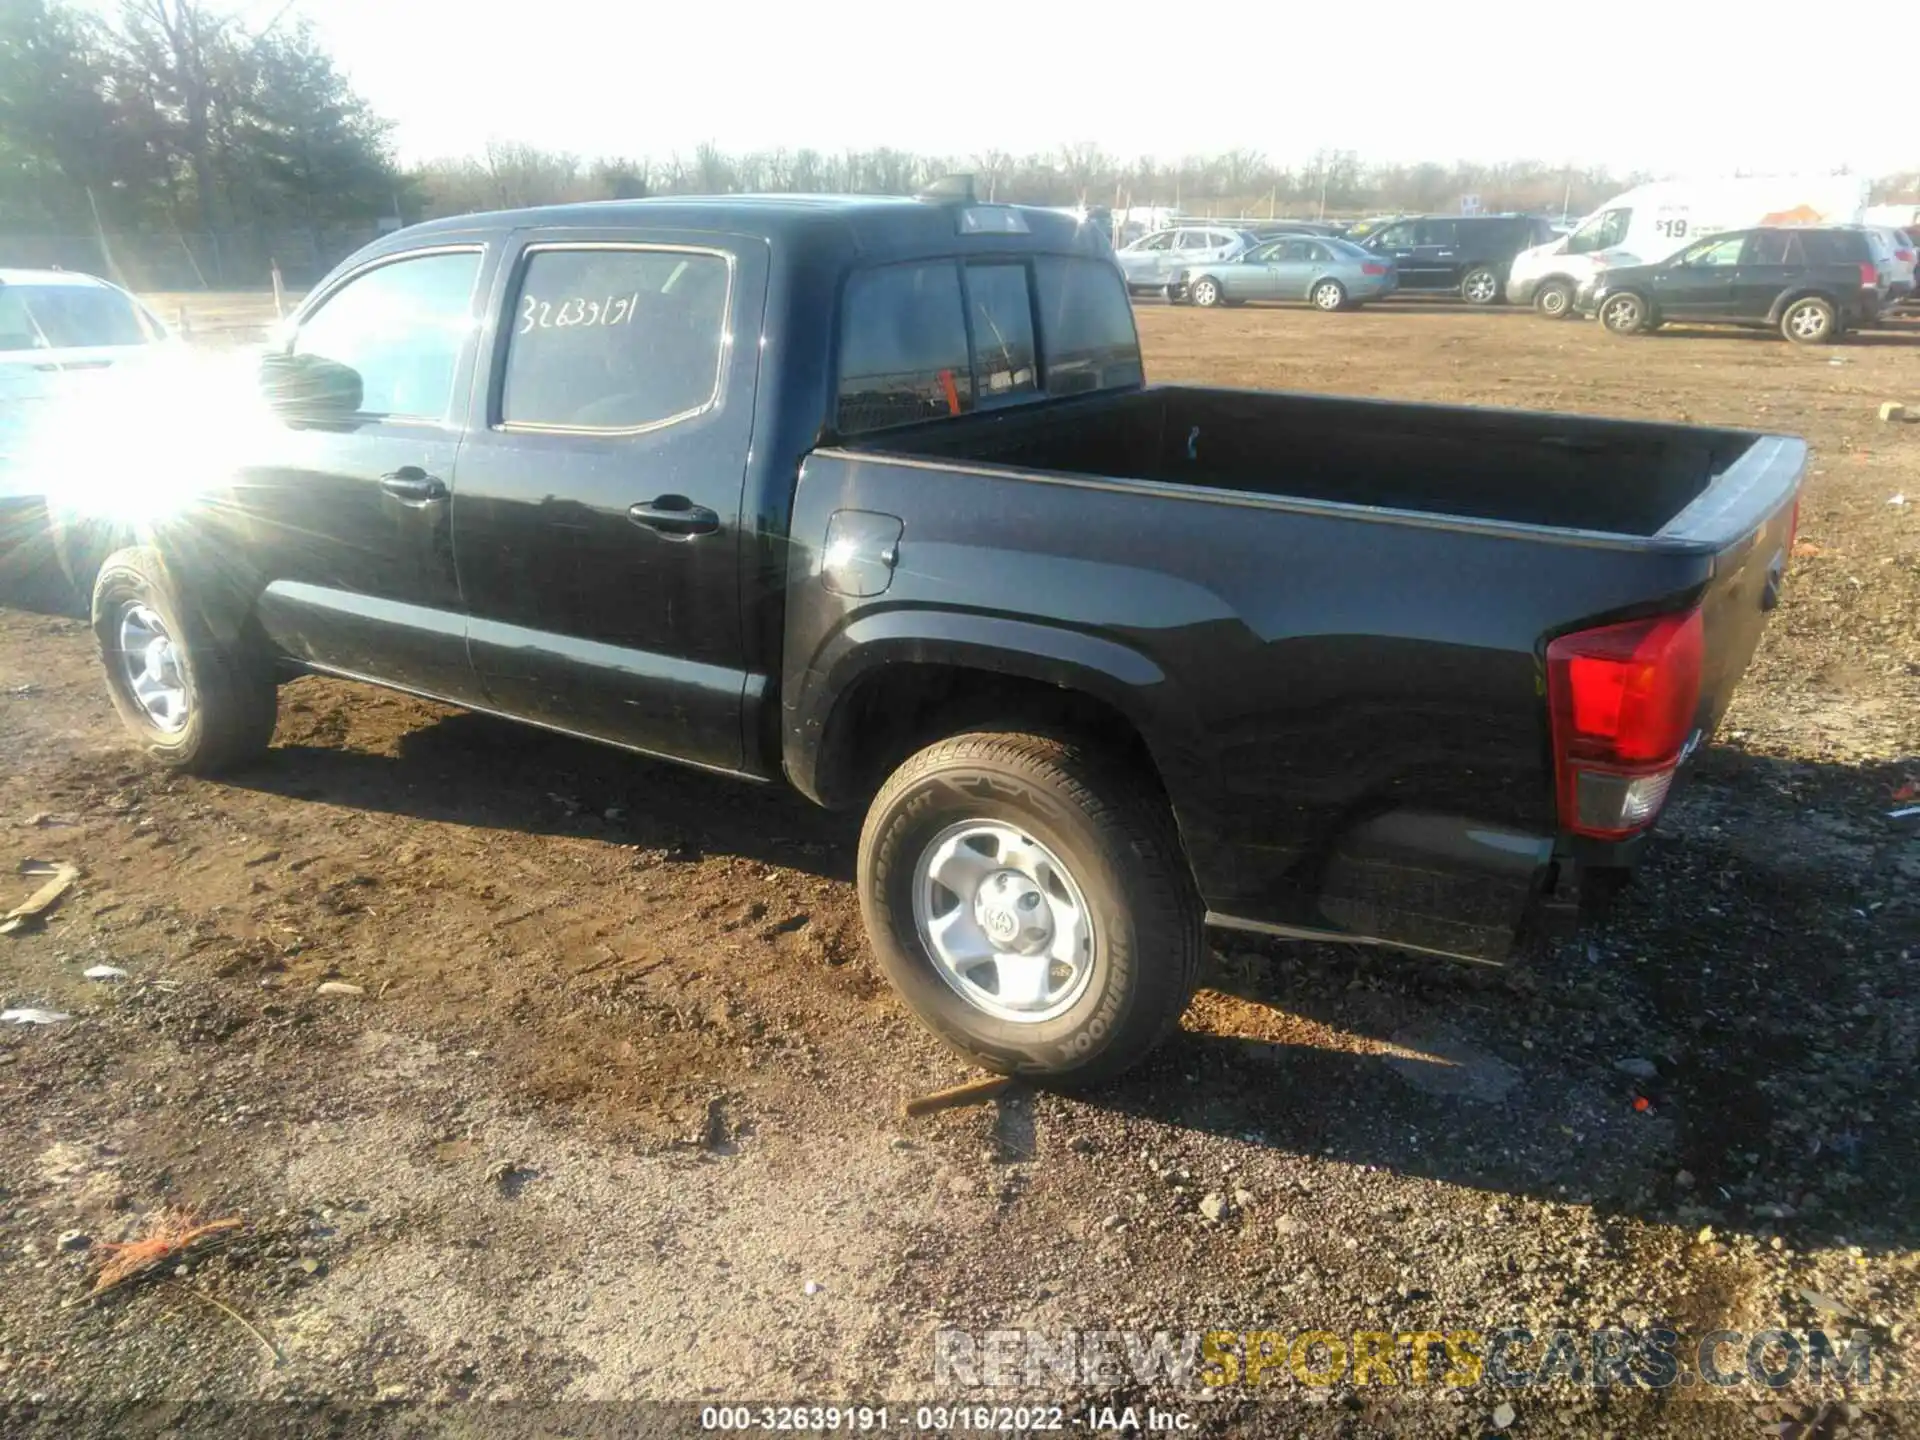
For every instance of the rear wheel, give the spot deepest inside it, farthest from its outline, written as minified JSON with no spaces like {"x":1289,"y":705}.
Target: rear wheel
{"x":1624,"y":314}
{"x":1031,"y":904}
{"x":1809,"y":322}
{"x":195,"y":701}
{"x":1329,"y":295}
{"x":1554,"y":300}
{"x":1480,"y":286}
{"x":1205,"y":292}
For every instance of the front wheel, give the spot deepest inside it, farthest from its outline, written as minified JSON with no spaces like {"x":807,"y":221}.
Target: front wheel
{"x":1809,"y":322}
{"x":1554,"y":300}
{"x":1480,"y":286}
{"x":196,"y":693}
{"x":1329,"y":295}
{"x":1205,"y":292}
{"x":1031,"y":905}
{"x":1624,"y":314}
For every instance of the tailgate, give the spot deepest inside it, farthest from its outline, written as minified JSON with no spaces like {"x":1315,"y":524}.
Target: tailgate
{"x":1747,"y":519}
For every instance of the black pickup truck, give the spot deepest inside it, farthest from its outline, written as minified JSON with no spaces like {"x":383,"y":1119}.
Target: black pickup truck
{"x":869,"y":497}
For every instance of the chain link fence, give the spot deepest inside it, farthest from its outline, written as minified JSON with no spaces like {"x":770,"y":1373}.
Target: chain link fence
{"x":241,"y":259}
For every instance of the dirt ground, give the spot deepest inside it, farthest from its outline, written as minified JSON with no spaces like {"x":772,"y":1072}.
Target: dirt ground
{"x":615,"y":1116}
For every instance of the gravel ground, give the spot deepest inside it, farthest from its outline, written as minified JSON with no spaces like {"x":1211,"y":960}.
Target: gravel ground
{"x":614,"y":1115}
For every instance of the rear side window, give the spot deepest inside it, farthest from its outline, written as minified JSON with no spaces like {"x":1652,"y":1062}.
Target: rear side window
{"x":1836,"y":247}
{"x":614,"y":339}
{"x":915,"y":345}
{"x":1776,"y":247}
{"x":903,"y":347}
{"x":1086,"y":327}
{"x":1438,"y":232}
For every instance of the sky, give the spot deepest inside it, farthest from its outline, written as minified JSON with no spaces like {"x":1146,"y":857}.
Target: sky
{"x":1668,"y":88}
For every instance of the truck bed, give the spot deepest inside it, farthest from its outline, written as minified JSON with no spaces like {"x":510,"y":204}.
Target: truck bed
{"x":1326,"y":618}
{"x":1568,"y":472}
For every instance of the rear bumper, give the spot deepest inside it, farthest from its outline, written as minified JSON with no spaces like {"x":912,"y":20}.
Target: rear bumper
{"x":1442,"y":886}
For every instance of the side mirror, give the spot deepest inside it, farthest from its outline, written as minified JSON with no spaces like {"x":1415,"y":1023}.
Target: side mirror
{"x":309,"y":387}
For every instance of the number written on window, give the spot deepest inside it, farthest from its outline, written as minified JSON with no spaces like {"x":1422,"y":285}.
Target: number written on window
{"x":615,"y":339}
{"x":538,"y":314}
{"x":1674,"y":227}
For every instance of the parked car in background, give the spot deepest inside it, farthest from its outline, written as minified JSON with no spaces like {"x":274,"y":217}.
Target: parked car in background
{"x":1900,"y":257}
{"x":1650,"y":223}
{"x":1467,"y":254}
{"x":1327,"y":273}
{"x":1152,"y":261}
{"x":1811,"y":283}
{"x":61,"y":334}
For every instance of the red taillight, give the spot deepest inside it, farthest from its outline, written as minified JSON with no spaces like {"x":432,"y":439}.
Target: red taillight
{"x":1369,"y":268}
{"x":1793,"y":526}
{"x":1905,"y":257}
{"x":1622,"y":699}
{"x":1869,"y":275}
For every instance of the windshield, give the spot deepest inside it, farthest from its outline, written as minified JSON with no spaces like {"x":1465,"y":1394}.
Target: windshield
{"x":58,"y":317}
{"x":1600,"y":232}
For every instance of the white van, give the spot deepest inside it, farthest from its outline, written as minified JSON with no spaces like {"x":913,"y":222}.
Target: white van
{"x":1651,"y":222}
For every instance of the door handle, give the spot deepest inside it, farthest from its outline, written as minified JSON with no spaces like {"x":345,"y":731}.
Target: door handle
{"x":674,"y":516}
{"x":413,"y":485}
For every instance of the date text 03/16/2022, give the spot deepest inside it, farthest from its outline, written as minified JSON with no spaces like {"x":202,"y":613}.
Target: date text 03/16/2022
{"x":945,"y":1419}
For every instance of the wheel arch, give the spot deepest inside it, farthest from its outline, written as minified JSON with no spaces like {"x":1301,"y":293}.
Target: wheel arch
{"x":1787,"y":299}
{"x":900,"y":683}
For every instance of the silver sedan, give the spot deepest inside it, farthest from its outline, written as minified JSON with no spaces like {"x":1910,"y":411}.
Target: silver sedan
{"x":1327,"y":273}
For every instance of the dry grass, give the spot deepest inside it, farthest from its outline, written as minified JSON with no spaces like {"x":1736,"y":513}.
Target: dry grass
{"x":170,"y":1234}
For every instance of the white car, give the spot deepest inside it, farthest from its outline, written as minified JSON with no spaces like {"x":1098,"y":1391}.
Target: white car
{"x":1153,"y":262}
{"x":58,"y":331}
{"x":65,"y":339}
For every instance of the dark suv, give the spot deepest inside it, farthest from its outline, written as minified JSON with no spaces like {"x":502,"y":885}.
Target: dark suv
{"x":1810,"y":283}
{"x":1470,"y":254}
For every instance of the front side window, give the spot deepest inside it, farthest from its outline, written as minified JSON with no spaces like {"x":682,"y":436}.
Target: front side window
{"x":1000,"y":314}
{"x":1394,"y":237}
{"x":1719,"y":251}
{"x":400,"y":328}
{"x":903,"y":347}
{"x":614,"y":339}
{"x":1601,"y":232}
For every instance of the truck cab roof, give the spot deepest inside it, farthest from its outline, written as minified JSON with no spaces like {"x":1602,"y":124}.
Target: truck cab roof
{"x":869,"y":227}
